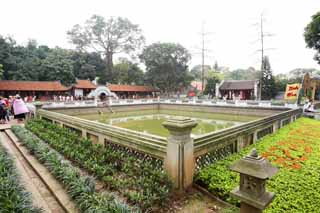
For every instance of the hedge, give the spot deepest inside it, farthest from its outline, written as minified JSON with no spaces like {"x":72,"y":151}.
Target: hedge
{"x":295,"y":150}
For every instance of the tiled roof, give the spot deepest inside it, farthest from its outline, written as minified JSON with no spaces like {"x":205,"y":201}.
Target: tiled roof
{"x":32,"y":86}
{"x":238,"y":85}
{"x":84,"y":84}
{"x":130,"y":88}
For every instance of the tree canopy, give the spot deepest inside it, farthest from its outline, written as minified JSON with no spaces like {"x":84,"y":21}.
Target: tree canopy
{"x":268,"y":89}
{"x":167,"y":66}
{"x":107,"y":37}
{"x":128,"y":73}
{"x":312,"y":35}
{"x":41,"y":63}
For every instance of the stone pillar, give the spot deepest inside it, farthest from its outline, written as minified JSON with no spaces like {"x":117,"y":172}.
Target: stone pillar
{"x":240,"y":143}
{"x":255,"y":136}
{"x":254,"y":171}
{"x":101,"y":139}
{"x":275,"y":126}
{"x":84,"y":133}
{"x":179,"y":162}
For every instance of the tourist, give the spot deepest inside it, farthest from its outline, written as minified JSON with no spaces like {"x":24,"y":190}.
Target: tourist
{"x":19,"y":109}
{"x":3,"y":111}
{"x":7,"y":107}
{"x":311,"y":107}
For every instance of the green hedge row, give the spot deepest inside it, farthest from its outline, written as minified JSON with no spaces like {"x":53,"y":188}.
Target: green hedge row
{"x":140,"y":181}
{"x":13,"y":196}
{"x":80,"y":188}
{"x":295,"y":149}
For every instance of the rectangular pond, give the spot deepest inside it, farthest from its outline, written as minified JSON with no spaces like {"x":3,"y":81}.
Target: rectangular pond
{"x":150,"y":121}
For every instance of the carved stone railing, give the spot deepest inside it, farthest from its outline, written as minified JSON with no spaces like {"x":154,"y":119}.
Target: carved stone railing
{"x":201,"y":102}
{"x":150,"y":144}
{"x":214,"y":146}
{"x":204,"y":149}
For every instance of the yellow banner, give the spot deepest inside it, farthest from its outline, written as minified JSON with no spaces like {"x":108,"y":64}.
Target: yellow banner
{"x":292,"y":91}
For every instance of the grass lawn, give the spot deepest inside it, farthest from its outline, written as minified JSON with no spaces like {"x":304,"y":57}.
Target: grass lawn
{"x":295,"y":150}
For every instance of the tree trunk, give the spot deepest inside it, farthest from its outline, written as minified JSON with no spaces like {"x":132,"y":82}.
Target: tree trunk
{"x":109,"y":64}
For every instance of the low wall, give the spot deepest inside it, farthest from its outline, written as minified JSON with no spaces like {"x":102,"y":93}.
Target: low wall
{"x":95,"y":110}
{"x":253,"y":111}
{"x":213,"y":146}
{"x":103,"y":133}
{"x":250,"y":111}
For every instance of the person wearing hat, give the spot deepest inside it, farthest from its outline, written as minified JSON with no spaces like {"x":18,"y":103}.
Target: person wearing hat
{"x":19,"y":109}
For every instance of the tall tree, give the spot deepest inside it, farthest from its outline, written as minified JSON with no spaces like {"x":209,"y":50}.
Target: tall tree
{"x":87,"y":65}
{"x":312,"y":35}
{"x":211,"y":85}
{"x":268,"y":89}
{"x":128,"y":72}
{"x":107,"y":37}
{"x":167,"y":66}
{"x":58,"y":66}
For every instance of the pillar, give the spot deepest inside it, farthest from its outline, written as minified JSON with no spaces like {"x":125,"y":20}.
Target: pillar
{"x":179,"y":161}
{"x":255,"y":136}
{"x":240,"y":143}
{"x":84,"y":133}
{"x":275,"y":126}
{"x":101,"y":139}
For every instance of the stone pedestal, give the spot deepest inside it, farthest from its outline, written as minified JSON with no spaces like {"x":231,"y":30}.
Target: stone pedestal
{"x":254,"y":171}
{"x":179,"y":162}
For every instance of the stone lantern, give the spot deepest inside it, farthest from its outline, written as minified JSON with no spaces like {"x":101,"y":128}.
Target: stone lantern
{"x":254,"y":171}
{"x":179,"y":162}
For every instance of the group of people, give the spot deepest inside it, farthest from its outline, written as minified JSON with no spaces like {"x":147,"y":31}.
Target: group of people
{"x":67,"y":98}
{"x":12,"y":106}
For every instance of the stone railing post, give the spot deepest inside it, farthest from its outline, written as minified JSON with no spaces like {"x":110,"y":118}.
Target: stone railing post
{"x":179,"y":162}
{"x":254,"y":171}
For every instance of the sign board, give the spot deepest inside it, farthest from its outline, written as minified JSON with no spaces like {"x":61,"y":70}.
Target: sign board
{"x":292,"y":91}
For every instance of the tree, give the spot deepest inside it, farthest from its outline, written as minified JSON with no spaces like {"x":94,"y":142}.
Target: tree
{"x":58,"y":66}
{"x":87,"y":65}
{"x":166,"y":65}
{"x":242,"y":74}
{"x":107,"y":37}
{"x":211,"y":85}
{"x":312,"y":35}
{"x":196,"y":71}
{"x":268,"y":89}
{"x":128,"y":72}
{"x":1,"y":71}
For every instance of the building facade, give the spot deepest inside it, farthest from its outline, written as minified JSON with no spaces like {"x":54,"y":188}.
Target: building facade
{"x":238,"y":89}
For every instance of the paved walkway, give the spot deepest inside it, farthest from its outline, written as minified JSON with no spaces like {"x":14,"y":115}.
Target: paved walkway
{"x":46,"y":191}
{"x":33,"y":184}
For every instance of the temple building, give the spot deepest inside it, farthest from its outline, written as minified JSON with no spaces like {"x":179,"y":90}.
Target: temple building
{"x":238,"y":89}
{"x":43,"y":90}
{"x":82,"y":88}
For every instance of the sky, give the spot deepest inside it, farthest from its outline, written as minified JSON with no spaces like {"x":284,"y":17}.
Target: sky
{"x":232,"y":26}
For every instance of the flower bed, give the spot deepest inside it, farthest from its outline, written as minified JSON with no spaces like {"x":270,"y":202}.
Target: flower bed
{"x":13,"y":196}
{"x":295,"y":149}
{"x":81,"y":188}
{"x":137,"y":180}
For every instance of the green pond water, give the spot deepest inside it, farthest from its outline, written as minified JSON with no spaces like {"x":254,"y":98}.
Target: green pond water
{"x":150,"y":121}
